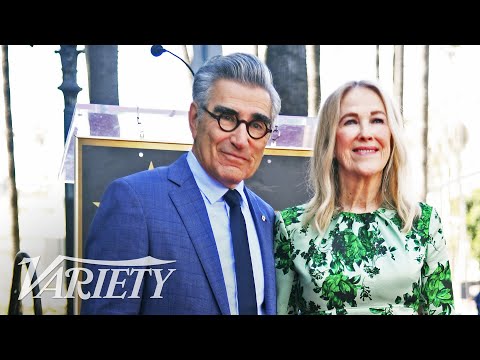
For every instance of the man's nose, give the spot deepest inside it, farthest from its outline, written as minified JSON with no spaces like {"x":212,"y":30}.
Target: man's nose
{"x":240,"y":135}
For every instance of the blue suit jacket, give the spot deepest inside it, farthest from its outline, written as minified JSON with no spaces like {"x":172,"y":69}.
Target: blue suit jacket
{"x":161,"y":213}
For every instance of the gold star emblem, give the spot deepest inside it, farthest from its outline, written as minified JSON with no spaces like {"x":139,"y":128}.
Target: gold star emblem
{"x":150,"y":167}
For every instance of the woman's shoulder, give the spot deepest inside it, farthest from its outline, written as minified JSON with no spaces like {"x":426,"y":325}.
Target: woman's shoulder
{"x":424,"y":210}
{"x":427,"y":223}
{"x":292,"y":214}
{"x":428,"y":210}
{"x":295,"y":209}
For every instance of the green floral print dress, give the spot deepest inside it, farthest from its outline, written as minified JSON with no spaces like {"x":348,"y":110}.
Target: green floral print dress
{"x":363,"y":264}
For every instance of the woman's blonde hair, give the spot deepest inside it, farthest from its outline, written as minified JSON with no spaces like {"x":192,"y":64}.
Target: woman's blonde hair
{"x":324,"y":181}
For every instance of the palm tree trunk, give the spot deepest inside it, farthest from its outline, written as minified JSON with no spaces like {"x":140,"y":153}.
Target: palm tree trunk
{"x":202,"y":53}
{"x":314,"y":88}
{"x":11,"y":158}
{"x":102,"y":67}
{"x":378,"y":61}
{"x":398,"y":75}
{"x":288,"y":64}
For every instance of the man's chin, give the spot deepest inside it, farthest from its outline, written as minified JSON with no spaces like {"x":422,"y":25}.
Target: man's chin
{"x":232,"y":177}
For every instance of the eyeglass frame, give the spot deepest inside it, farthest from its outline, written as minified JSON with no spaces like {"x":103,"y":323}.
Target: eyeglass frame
{"x":239,"y":121}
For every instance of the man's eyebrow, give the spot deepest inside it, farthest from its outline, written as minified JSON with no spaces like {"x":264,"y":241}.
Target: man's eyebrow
{"x":262,"y":117}
{"x":224,"y":110}
{"x":228,"y":111}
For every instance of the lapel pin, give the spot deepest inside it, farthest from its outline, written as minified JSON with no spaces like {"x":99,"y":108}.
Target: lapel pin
{"x":263,"y":218}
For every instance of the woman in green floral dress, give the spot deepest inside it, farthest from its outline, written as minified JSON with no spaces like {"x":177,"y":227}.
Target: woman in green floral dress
{"x":363,"y":244}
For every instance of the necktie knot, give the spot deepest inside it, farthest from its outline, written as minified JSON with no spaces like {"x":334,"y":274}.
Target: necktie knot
{"x":232,"y":197}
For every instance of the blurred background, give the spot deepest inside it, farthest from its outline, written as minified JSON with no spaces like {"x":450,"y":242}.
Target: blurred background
{"x":435,"y":85}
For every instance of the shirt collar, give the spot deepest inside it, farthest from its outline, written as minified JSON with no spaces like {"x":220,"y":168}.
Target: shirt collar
{"x":209,"y":186}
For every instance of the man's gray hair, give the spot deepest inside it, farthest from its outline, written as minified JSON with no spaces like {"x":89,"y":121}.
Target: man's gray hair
{"x":239,"y":67}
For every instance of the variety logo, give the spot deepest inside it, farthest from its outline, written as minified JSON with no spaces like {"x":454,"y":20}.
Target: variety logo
{"x":135,"y":268}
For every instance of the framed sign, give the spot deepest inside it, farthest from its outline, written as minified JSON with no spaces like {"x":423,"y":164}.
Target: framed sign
{"x":279,"y":180}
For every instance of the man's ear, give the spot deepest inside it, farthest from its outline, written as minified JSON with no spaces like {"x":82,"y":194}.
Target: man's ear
{"x":192,"y":119}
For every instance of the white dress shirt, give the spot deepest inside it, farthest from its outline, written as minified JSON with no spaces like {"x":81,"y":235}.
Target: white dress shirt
{"x":218,"y":213}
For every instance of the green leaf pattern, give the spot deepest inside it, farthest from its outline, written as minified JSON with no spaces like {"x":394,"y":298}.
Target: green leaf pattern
{"x":362,"y":264}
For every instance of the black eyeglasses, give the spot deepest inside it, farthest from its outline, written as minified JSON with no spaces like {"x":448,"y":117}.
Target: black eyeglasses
{"x":257,"y":129}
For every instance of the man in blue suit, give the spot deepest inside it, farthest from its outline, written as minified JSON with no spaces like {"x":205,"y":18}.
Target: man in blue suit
{"x":177,"y":213}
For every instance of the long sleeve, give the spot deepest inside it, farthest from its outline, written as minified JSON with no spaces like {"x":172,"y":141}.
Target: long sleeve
{"x":436,"y":277}
{"x":285,"y":273}
{"x":118,"y":232}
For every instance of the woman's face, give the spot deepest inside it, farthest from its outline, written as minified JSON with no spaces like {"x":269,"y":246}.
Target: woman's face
{"x":362,"y":146}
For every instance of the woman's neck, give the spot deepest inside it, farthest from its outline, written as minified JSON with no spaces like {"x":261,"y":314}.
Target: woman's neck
{"x":360,"y":195}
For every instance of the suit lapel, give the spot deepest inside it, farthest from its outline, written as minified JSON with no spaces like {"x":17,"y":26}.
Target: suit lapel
{"x":264,"y":232}
{"x":191,"y":207}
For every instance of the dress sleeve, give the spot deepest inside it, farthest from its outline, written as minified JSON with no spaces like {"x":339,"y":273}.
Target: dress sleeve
{"x":437,"y":290}
{"x":285,"y":273}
